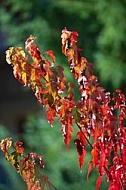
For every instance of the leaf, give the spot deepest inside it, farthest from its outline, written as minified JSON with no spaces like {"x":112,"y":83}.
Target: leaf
{"x":19,"y":147}
{"x":70,"y":93}
{"x":9,"y":53}
{"x":51,"y":88}
{"x":29,"y":41}
{"x":113,"y":186}
{"x":12,"y":159}
{"x":5,"y":144}
{"x":70,"y":54}
{"x":50,"y":53}
{"x":94,"y":153}
{"x":61,"y":80}
{"x":50,"y":114}
{"x":98,"y":183}
{"x":64,"y":35}
{"x":81,"y":152}
{"x":33,"y":50}
{"x":103,"y":163}
{"x":67,"y":130}
{"x":82,"y":136}
{"x":89,"y":169}
{"x":73,"y":37}
{"x":76,"y":114}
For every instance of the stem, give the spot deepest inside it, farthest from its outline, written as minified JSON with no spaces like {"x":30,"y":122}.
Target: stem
{"x":85,"y":136}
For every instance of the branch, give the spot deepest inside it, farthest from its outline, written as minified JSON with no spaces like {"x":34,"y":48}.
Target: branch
{"x":85,"y":136}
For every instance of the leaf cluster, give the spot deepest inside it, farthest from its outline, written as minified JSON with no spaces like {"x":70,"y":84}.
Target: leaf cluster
{"x":100,"y":118}
{"x":26,"y":165}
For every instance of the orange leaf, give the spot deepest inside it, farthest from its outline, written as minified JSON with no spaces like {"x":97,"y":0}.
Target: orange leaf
{"x":19,"y":147}
{"x":50,"y":53}
{"x":94,"y":153}
{"x":70,"y":54}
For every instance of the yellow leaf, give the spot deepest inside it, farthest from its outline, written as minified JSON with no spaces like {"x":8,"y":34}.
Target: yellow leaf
{"x":8,"y":55}
{"x":5,"y":144}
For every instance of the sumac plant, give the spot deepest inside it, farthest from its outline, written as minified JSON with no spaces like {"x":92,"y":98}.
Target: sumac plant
{"x":98,"y":116}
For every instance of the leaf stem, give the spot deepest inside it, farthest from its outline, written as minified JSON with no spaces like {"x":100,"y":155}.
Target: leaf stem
{"x":85,"y":136}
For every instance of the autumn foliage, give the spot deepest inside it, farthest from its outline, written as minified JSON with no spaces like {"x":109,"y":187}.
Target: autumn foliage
{"x":25,"y":164}
{"x":99,"y":116}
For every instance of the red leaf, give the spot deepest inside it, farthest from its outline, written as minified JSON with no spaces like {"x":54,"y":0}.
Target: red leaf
{"x":67,"y":130}
{"x":35,"y":52}
{"x":50,"y":114}
{"x":89,"y":169}
{"x":79,"y":146}
{"x":82,"y":134}
{"x":113,"y":186}
{"x":81,"y":159}
{"x":73,"y":38}
{"x":42,"y":70}
{"x":29,"y":41}
{"x":103,"y":163}
{"x":81,"y":152}
{"x":98,"y":183}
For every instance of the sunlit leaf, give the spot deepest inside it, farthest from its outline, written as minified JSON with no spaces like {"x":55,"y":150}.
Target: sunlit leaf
{"x":94,"y":153}
{"x":5,"y":144}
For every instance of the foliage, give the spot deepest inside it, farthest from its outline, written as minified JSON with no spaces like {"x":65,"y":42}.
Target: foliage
{"x":100,"y":118}
{"x":61,"y":162}
{"x":111,"y":42}
{"x":25,"y":164}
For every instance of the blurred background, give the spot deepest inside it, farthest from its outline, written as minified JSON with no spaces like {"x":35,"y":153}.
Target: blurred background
{"x":102,"y":34}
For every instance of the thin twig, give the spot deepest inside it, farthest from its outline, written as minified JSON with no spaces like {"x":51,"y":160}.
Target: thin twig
{"x":84,"y":136}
